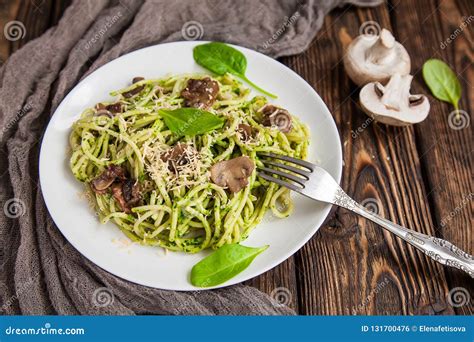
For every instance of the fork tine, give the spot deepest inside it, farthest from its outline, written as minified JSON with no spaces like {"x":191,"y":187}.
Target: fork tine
{"x":294,"y":178}
{"x":279,"y":182}
{"x":299,"y":162}
{"x":300,"y":172}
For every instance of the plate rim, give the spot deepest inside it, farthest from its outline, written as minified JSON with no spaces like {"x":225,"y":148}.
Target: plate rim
{"x":277,"y":261}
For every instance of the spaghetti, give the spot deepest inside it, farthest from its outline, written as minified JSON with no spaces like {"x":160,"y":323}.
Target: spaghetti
{"x":180,"y":208}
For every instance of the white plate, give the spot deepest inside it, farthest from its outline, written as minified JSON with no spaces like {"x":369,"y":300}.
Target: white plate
{"x":105,"y":245}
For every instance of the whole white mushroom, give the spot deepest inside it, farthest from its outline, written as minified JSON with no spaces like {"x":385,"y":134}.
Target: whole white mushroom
{"x":370,"y":58}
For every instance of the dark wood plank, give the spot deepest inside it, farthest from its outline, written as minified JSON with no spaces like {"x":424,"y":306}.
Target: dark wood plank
{"x":280,"y":283}
{"x":35,"y":17}
{"x":446,"y":153}
{"x":8,"y":10}
{"x":351,"y":265}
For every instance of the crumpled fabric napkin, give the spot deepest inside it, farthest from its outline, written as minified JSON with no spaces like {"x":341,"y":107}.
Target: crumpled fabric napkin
{"x":41,"y":273}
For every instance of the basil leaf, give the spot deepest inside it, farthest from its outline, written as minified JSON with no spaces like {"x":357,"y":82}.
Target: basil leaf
{"x":190,"y":121}
{"x":221,"y":58}
{"x":223,"y":264}
{"x":442,"y":81}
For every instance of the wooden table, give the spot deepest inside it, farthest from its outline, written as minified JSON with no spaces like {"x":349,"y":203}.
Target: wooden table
{"x":420,"y":176}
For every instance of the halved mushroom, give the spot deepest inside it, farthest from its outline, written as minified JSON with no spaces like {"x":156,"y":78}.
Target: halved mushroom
{"x":393,"y":104}
{"x":274,"y":116}
{"x":200,"y":93}
{"x":112,"y":173}
{"x":371,"y":58}
{"x":232,"y":173}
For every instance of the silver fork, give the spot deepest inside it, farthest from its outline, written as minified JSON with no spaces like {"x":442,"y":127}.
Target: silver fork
{"x":316,"y":183}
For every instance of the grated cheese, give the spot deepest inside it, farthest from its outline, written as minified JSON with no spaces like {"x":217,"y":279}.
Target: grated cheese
{"x":192,"y":173}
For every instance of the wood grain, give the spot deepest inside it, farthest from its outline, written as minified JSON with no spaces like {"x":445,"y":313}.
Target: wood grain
{"x":36,"y":15}
{"x":446,"y":154}
{"x":382,"y":166}
{"x":420,"y":176}
{"x":8,"y":12}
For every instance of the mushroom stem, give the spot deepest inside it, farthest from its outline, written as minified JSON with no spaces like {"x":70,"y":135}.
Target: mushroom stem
{"x":383,"y":51}
{"x":396,"y":91}
{"x":393,"y":104}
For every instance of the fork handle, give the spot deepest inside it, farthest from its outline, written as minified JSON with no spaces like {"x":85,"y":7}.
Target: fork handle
{"x":439,"y":250}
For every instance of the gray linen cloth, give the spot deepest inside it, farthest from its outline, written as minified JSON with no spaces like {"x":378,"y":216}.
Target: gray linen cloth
{"x":41,"y":273}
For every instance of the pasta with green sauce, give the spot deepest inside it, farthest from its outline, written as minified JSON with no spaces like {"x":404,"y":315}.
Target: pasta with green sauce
{"x":157,"y":185}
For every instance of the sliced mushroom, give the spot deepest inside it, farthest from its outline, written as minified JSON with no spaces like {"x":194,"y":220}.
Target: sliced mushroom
{"x":104,"y":112}
{"x":99,"y":106}
{"x":112,"y":173}
{"x":200,"y":93}
{"x":137,"y":79}
{"x":131,"y":192}
{"x":232,"y":173}
{"x":245,"y":132}
{"x":109,"y":110}
{"x":274,"y":116}
{"x":117,"y":192}
{"x":115,"y":108}
{"x":178,"y":156}
{"x":101,"y":110}
{"x":127,"y":194}
{"x":371,"y":58}
{"x":135,"y":90}
{"x":393,"y":104}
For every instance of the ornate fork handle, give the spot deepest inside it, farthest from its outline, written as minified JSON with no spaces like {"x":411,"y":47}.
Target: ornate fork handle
{"x":439,"y":250}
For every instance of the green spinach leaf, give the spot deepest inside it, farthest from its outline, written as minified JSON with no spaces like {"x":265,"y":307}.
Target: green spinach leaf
{"x":190,"y":121}
{"x":442,"y":81}
{"x":223,"y":264}
{"x":221,"y":58}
